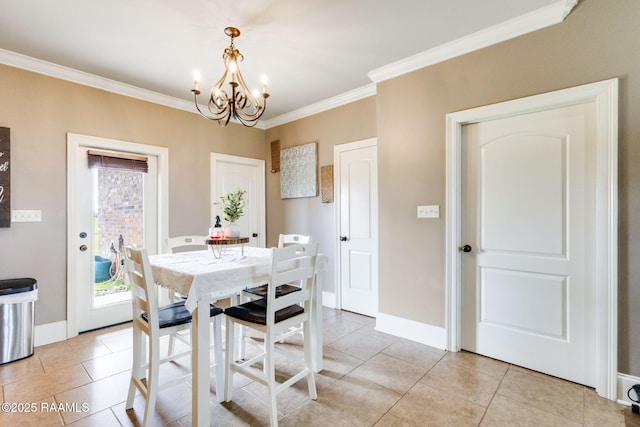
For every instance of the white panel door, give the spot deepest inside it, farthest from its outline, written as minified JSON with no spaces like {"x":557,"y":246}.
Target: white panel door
{"x":230,"y":173}
{"x":358,"y":196}
{"x":528,"y":281}
{"x":98,"y":301}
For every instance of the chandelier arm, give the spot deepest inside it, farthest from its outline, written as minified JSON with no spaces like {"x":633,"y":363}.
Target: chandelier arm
{"x":222,"y":120}
{"x":195,"y":101}
{"x":219,"y":100}
{"x":249,"y":94}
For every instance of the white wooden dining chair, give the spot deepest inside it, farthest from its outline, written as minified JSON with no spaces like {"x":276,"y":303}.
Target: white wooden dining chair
{"x":273,"y":316}
{"x":258,"y":292}
{"x":152,"y":322}
{"x":283,"y":241}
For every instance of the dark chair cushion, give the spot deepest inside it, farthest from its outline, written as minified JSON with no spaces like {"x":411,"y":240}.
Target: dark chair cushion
{"x":177,"y":314}
{"x":261,"y":291}
{"x":256,"y":312}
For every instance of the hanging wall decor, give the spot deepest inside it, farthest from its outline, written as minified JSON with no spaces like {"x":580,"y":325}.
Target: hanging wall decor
{"x":299,"y":171}
{"x":275,"y":156}
{"x":5,"y":179}
{"x":326,"y":183}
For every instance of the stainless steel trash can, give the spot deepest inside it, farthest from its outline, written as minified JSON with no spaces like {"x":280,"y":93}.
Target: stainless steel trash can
{"x":17,"y":301}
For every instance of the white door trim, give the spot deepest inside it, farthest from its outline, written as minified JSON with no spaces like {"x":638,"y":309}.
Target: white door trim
{"x":74,"y":142}
{"x":260,"y":164}
{"x":337,"y":151}
{"x":605,"y":96}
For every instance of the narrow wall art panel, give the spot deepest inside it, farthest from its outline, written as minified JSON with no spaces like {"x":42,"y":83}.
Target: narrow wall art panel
{"x":5,"y":179}
{"x":299,"y":171}
{"x":326,"y":183}
{"x":275,"y":156}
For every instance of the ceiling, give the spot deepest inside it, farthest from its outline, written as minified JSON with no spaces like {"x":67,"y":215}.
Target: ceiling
{"x":311,"y":50}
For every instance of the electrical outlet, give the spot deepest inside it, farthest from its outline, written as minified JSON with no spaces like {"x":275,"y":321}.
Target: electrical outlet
{"x":26,"y":216}
{"x":430,"y":211}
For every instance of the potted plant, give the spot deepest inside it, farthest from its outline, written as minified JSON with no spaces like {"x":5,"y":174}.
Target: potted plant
{"x":233,"y":205}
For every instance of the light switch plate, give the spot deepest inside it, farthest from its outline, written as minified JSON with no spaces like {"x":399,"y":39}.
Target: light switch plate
{"x":26,"y":216}
{"x":429,"y":211}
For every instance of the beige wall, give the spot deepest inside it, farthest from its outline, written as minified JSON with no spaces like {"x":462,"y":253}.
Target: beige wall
{"x":349,"y":123}
{"x":599,"y":40}
{"x":40,"y":111}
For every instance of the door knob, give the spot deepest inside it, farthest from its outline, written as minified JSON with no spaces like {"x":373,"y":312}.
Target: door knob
{"x":83,"y":248}
{"x":343,"y":238}
{"x":465,"y":248}
{"x":254,"y":235}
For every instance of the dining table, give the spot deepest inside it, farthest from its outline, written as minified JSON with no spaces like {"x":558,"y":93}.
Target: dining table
{"x":205,"y":278}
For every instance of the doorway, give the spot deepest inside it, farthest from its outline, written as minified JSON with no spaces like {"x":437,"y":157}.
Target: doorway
{"x":113,"y":201}
{"x":230,"y":173}
{"x":490,"y":288}
{"x":357,"y":219}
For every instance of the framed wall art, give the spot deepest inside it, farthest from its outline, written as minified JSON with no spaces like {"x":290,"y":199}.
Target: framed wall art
{"x":299,"y":171}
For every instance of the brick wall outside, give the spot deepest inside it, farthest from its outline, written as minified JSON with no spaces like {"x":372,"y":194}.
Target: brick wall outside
{"x":120,"y":209}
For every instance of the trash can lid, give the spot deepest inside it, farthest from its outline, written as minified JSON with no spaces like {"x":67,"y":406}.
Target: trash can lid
{"x":16,"y":286}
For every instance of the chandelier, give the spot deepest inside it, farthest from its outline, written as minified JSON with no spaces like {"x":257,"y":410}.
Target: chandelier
{"x":239,"y":103}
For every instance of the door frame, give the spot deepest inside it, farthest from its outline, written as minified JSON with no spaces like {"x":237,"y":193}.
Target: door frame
{"x":337,"y":151}
{"x":74,"y":143}
{"x":247,"y":161}
{"x":605,"y":96}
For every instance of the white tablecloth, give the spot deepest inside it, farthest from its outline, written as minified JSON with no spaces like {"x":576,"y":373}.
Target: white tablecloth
{"x":199,"y":275}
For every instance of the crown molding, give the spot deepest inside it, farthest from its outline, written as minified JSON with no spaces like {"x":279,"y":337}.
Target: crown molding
{"x":544,"y":17}
{"x":327,"y":104}
{"x":529,"y":22}
{"x":69,"y":74}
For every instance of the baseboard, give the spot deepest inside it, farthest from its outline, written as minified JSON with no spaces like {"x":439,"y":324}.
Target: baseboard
{"x":50,"y":333}
{"x":415,"y":331}
{"x":329,"y":299}
{"x":624,"y":384}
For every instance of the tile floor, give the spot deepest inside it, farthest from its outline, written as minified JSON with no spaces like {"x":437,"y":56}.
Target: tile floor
{"x":369,"y":379}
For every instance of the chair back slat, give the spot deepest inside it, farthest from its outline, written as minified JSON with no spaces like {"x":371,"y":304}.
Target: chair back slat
{"x":293,"y":239}
{"x":192,"y":242}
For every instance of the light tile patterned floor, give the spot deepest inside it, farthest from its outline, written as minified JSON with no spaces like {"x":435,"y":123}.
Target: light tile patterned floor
{"x":369,"y":379}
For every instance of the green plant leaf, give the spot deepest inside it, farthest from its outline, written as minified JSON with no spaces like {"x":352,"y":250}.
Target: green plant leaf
{"x":233,"y":205}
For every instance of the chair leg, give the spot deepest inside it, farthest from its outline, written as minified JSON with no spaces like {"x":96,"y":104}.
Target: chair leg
{"x":172,"y":344}
{"x":172,"y":338}
{"x":217,"y":351}
{"x":311,"y":379}
{"x":242,"y":331}
{"x":136,"y":368}
{"x":269,"y":369}
{"x":229,"y":359}
{"x":152,"y":382}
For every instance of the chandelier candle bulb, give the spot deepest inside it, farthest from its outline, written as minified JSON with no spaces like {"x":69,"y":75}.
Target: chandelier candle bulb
{"x":263,"y":80}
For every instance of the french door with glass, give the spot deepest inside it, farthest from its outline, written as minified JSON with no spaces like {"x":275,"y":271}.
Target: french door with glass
{"x":113,"y":203}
